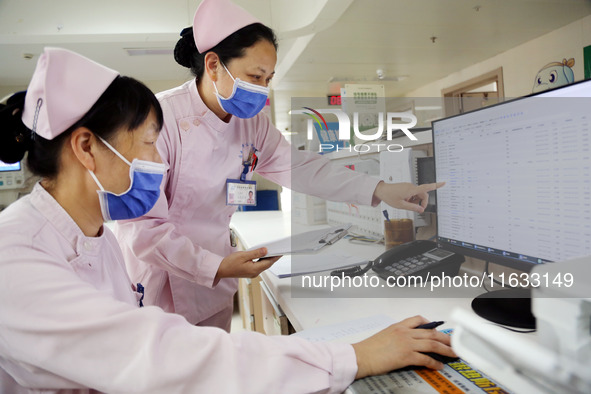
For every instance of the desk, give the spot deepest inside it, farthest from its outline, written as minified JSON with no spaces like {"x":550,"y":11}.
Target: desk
{"x":277,"y":312}
{"x":254,"y":228}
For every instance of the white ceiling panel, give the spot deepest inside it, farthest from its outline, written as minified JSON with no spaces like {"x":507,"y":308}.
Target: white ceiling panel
{"x":347,"y":40}
{"x":395,"y":36}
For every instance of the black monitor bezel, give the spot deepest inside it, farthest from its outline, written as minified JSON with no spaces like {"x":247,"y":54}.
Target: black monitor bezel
{"x":492,"y":258}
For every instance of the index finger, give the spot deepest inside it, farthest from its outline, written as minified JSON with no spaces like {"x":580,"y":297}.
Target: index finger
{"x":412,"y":322}
{"x":427,"y":187}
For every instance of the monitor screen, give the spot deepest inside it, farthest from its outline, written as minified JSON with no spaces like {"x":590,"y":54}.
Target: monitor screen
{"x":518,"y":175}
{"x":4,"y":167}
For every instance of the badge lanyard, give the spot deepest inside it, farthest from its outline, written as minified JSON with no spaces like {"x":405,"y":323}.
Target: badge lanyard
{"x":240,"y":191}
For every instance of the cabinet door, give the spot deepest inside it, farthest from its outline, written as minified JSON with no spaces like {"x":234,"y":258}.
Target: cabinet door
{"x":274,"y":320}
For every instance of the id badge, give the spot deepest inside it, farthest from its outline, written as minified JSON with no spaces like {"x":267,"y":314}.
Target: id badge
{"x":241,"y":192}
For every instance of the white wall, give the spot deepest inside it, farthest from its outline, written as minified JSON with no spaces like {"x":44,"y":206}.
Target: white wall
{"x":9,"y":90}
{"x":522,"y":63}
{"x":155,"y":86}
{"x":159,"y":86}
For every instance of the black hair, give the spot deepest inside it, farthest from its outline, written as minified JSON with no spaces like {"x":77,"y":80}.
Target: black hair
{"x":126,"y":103}
{"x":231,"y":47}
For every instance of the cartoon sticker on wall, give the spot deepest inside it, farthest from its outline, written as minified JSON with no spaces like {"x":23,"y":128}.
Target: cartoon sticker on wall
{"x":554,"y":74}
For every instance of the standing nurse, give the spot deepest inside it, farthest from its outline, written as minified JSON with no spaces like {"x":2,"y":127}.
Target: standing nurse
{"x":213,"y":133}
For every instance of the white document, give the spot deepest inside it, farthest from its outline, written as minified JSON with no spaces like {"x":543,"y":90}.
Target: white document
{"x":349,"y":331}
{"x":308,"y":242}
{"x":310,"y":263}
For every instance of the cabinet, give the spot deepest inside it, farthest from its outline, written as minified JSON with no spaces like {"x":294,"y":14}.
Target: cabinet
{"x":259,"y":310}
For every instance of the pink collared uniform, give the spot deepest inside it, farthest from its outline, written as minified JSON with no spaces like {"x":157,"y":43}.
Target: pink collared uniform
{"x":70,"y":321}
{"x":175,"y":250}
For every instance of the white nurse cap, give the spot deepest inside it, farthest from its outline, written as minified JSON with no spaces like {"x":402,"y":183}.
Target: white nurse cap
{"x":64,"y":86}
{"x":215,"y":20}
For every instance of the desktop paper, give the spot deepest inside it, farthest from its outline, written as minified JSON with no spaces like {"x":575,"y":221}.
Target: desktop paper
{"x":307,"y":264}
{"x":308,"y":242}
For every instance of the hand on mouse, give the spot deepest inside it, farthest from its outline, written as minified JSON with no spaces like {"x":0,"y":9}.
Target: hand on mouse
{"x":401,"y":345}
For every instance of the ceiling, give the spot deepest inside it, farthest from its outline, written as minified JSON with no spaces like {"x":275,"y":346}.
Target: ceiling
{"x":323,"y":43}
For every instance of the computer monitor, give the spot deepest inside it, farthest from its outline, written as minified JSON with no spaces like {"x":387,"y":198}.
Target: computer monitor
{"x":6,"y":167}
{"x":11,"y":175}
{"x":518,"y":186}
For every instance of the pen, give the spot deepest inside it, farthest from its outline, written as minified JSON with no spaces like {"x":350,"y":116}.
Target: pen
{"x":430,"y":325}
{"x":338,"y":234}
{"x":385,"y":212}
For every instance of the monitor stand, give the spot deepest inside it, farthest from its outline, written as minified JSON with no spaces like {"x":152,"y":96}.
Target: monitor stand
{"x":509,"y":307}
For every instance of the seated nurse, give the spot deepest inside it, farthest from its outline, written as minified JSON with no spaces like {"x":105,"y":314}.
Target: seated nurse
{"x":70,"y":319}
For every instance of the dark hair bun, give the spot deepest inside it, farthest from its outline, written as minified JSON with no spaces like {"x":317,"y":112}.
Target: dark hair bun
{"x":185,"y":48}
{"x":15,"y":137}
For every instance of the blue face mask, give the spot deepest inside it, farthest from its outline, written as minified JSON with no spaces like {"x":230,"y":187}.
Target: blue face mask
{"x":143,"y":192}
{"x":246,"y":100}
